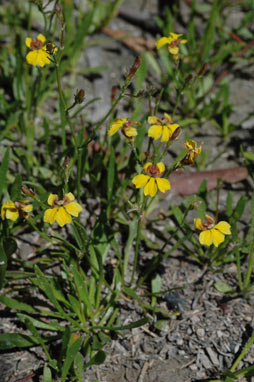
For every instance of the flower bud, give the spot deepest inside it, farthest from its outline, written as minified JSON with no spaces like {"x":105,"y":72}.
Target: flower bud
{"x":176,"y":133}
{"x":135,"y":66}
{"x":113,"y":93}
{"x":59,"y":13}
{"x":203,"y":70}
{"x":79,"y":96}
{"x":27,"y":191}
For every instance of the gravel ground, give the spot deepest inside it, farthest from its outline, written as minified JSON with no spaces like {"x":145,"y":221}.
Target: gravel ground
{"x":209,"y":330}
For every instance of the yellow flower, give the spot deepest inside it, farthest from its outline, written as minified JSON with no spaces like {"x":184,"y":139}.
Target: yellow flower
{"x":194,"y":151}
{"x":62,"y":209}
{"x":212,"y":233}
{"x":126,"y":127}
{"x":12,"y":211}
{"x":163,"y":127}
{"x":40,"y":54}
{"x":172,"y":41}
{"x":152,"y":179}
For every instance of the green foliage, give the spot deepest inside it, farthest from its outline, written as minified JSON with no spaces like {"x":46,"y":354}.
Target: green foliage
{"x":80,"y":271}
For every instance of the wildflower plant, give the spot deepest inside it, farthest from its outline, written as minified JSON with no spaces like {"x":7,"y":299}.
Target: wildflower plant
{"x":89,"y":190}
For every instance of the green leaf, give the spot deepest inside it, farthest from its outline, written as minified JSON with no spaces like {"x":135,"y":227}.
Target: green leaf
{"x":209,"y":35}
{"x":47,"y":376}
{"x":53,"y":326}
{"x":111,"y":173}
{"x":3,"y":263}
{"x":3,"y":171}
{"x":98,"y":359}
{"x":16,"y":188}
{"x":141,"y":73}
{"x":161,"y":325}
{"x":240,"y":207}
{"x":229,"y":204}
{"x":10,"y":246}
{"x":43,"y":283}
{"x":16,"y":340}
{"x":132,"y":235}
{"x":156,"y":283}
{"x":72,"y":350}
{"x":15,"y":304}
{"x":179,"y":216}
{"x":133,"y":325}
{"x":223,"y":287}
{"x":81,"y":287}
{"x":249,"y":156}
{"x":78,"y":366}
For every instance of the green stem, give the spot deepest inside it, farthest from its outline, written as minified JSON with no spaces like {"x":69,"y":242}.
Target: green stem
{"x":245,"y":350}
{"x":138,"y":237}
{"x":160,"y":256}
{"x":251,"y":247}
{"x":239,"y":275}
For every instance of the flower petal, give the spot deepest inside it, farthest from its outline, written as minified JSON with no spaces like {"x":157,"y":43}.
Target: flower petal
{"x":198,"y":224}
{"x":223,"y":227}
{"x":163,"y":184}
{"x":147,"y":164}
{"x":161,"y":167}
{"x":27,"y":208}
{"x":116,"y":125}
{"x":52,"y":198}
{"x":70,"y":197}
{"x":28,"y":42}
{"x":9,"y":211}
{"x":155,"y":131}
{"x":41,"y":38}
{"x":162,"y":41}
{"x":37,"y":57}
{"x":130,"y":131}
{"x":152,"y":120}
{"x":140,"y":180}
{"x":49,"y":215}
{"x":167,"y":116}
{"x":206,"y":237}
{"x":174,"y":50}
{"x":175,"y":36}
{"x":73,"y":208}
{"x":166,"y":134}
{"x":150,"y":188}
{"x":218,"y":237}
{"x":62,"y":217}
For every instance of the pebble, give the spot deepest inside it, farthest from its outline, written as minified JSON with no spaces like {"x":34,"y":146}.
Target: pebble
{"x":213,"y":356}
{"x":200,"y":332}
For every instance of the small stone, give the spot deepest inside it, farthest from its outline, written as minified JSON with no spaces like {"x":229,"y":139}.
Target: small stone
{"x":213,"y":356}
{"x":195,"y":319}
{"x":200,"y":332}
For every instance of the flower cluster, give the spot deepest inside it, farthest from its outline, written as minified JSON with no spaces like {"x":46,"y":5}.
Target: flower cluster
{"x":163,"y":128}
{"x":212,"y":233}
{"x":193,"y":152}
{"x":40,"y":53}
{"x":126,"y":127}
{"x":62,"y":210}
{"x":13,"y":211}
{"x":152,"y":181}
{"x":173,"y":43}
